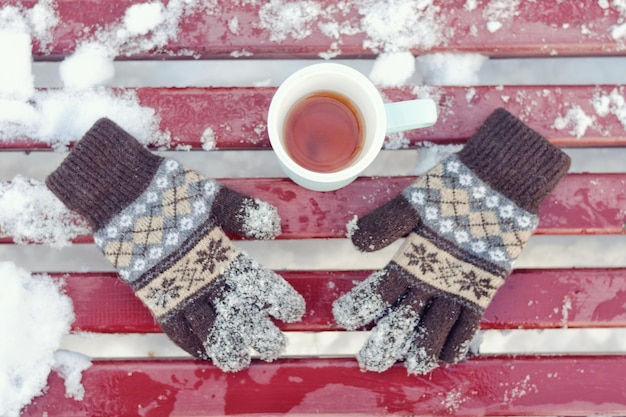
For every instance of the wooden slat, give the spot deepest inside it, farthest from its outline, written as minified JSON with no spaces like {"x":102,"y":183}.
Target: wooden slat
{"x":494,"y":386}
{"x":534,"y":29}
{"x":237,"y":115}
{"x":530,"y":299}
{"x":581,"y":204}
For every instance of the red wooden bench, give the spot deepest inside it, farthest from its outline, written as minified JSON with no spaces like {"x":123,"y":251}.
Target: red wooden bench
{"x":583,"y":204}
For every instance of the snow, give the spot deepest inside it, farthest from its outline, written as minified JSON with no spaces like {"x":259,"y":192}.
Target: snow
{"x":16,"y":79}
{"x":58,"y":117}
{"x":140,"y":19}
{"x":450,"y":69}
{"x":30,"y":213}
{"x":90,"y":65}
{"x":392,"y":69}
{"x":289,"y":19}
{"x":577,"y":119}
{"x":35,"y":315}
{"x":499,"y":11}
{"x":260,"y":220}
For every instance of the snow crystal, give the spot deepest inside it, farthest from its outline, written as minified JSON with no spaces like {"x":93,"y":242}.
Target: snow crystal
{"x":36,"y":315}
{"x":233,"y":25}
{"x":400,"y":25}
{"x":498,"y":11}
{"x":613,"y":103}
{"x":577,"y":119}
{"x":352,"y":226}
{"x":30,"y":213}
{"x":261,"y":220}
{"x":619,"y":31}
{"x":393,"y":26}
{"x":450,"y":68}
{"x":392,"y":69}
{"x":453,"y":401}
{"x":396,"y":140}
{"x":208,"y":139}
{"x":362,"y":304}
{"x":470,"y":5}
{"x":288,"y":18}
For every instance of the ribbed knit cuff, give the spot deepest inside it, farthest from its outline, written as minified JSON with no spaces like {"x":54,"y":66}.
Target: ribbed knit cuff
{"x":515,"y":160}
{"x":105,"y":172}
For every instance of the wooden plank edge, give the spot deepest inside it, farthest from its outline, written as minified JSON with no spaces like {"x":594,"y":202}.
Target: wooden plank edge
{"x":492,"y":385}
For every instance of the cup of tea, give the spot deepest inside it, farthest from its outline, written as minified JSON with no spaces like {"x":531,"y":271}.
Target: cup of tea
{"x":327,"y":123}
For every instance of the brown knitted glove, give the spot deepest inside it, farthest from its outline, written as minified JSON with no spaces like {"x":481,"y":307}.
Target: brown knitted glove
{"x":160,"y":225}
{"x":467,"y":220}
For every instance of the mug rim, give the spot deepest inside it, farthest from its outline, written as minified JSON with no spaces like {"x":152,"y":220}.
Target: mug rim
{"x":367,"y":155}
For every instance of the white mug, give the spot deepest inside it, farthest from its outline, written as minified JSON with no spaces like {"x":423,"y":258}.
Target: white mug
{"x":378,"y":119}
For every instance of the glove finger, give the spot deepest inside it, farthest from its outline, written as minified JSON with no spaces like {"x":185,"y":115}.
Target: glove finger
{"x":388,"y":341}
{"x":265,"y":338}
{"x":460,"y":337}
{"x":178,"y":330}
{"x":384,"y":225}
{"x":244,"y":215}
{"x":226,"y":347}
{"x":369,"y":299}
{"x":249,"y":284}
{"x":436,"y":322}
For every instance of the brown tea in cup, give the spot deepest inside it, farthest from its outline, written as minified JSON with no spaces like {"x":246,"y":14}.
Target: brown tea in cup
{"x":323,"y":132}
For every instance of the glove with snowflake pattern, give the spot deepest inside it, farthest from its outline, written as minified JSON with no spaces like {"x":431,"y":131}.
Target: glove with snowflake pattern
{"x":160,"y":225}
{"x":467,"y":220}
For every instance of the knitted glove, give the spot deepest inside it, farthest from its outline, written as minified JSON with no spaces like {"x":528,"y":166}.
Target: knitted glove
{"x":467,"y":220}
{"x":160,"y":225}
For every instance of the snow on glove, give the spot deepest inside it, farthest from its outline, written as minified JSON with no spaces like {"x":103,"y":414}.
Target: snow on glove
{"x":467,"y":220}
{"x":160,"y":225}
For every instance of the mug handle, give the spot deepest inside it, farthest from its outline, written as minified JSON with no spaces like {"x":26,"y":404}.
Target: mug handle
{"x":410,"y":114}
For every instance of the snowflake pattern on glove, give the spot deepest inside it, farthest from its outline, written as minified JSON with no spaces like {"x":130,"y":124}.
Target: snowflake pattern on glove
{"x":460,"y":208}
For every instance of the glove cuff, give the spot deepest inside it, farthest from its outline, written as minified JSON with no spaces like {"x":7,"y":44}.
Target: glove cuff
{"x":105,"y":172}
{"x":515,"y":160}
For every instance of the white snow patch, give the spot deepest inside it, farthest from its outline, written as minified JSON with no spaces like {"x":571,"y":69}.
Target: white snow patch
{"x":140,"y":19}
{"x":400,"y":25}
{"x":70,"y":366}
{"x":450,"y":68}
{"x":16,"y":79}
{"x":389,"y":26}
{"x":577,"y":119}
{"x":90,"y":65}
{"x":392,"y":69}
{"x":498,"y":11}
{"x":30,"y":213}
{"x":36,"y":315}
{"x":352,"y":226}
{"x":289,"y":18}
{"x":208,"y":139}
{"x":613,"y":103}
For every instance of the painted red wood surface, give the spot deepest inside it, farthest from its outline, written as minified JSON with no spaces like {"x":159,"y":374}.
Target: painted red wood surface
{"x":581,"y":204}
{"x":237,"y":116}
{"x":530,"y":299}
{"x":578,"y":28}
{"x":498,"y":386}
